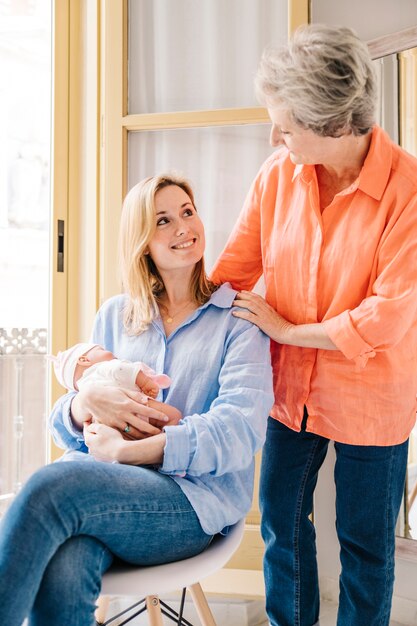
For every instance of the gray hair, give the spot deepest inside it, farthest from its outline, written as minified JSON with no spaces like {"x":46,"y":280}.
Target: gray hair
{"x":324,"y":77}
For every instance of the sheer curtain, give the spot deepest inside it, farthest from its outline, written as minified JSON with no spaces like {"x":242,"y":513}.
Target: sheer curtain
{"x":220,"y":163}
{"x":201,"y":55}
{"x":387,"y":114}
{"x":198,"y":54}
{"x":25,"y":120}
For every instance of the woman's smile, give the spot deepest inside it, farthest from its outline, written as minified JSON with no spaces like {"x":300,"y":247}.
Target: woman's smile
{"x":184,"y":244}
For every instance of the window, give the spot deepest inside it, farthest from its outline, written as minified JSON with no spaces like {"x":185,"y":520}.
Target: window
{"x":25,"y":120}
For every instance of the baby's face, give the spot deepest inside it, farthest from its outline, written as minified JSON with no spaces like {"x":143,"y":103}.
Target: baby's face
{"x":99,"y":354}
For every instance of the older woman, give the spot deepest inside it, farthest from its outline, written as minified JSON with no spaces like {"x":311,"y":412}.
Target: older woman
{"x":331,"y":221}
{"x":71,"y":519}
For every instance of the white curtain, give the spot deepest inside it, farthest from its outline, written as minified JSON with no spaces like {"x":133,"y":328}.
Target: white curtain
{"x":219,"y":162}
{"x":387,"y":114}
{"x":201,"y":54}
{"x":198,"y":54}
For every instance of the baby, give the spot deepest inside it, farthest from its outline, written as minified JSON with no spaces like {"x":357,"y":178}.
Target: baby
{"x":89,"y":363}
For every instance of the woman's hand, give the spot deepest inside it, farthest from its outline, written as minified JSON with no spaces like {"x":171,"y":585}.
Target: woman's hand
{"x":173,"y":414}
{"x":103,"y":442}
{"x":259,"y":312}
{"x":107,"y":444}
{"x":125,"y":410}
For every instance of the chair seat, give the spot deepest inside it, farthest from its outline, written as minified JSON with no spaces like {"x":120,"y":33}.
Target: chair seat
{"x":131,"y":580}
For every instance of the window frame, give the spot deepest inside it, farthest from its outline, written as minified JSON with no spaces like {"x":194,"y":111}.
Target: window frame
{"x":75,"y":176}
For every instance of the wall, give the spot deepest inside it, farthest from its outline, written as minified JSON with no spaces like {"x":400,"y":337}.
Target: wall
{"x":369,"y":18}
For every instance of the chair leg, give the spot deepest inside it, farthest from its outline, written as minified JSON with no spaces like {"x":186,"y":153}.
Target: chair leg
{"x":101,"y":610}
{"x":154,"y":611}
{"x":201,"y":604}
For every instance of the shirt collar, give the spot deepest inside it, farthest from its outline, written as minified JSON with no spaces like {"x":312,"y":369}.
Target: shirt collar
{"x":376,"y":169}
{"x":375,"y":172}
{"x":307,"y":173}
{"x":299,"y":169}
{"x":222,"y":297}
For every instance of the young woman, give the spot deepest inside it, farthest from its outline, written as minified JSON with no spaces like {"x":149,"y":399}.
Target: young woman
{"x":157,"y":498}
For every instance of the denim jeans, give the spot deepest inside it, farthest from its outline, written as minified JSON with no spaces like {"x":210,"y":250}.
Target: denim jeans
{"x":369,"y":486}
{"x":67,"y":524}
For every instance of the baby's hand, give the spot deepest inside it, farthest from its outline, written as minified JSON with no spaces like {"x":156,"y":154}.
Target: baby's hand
{"x":150,"y":382}
{"x":147,"y":385}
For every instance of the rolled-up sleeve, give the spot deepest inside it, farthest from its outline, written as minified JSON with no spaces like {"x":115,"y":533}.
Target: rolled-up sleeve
{"x":62,"y":428}
{"x":345,"y":336}
{"x":177,"y":452}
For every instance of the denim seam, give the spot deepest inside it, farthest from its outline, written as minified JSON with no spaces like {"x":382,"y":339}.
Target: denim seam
{"x":140,"y":511}
{"x":100,"y":568}
{"x":297,"y":582}
{"x":386,"y":609}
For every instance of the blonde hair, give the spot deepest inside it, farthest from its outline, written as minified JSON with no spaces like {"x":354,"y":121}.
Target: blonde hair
{"x":325,"y":77}
{"x":140,"y":277}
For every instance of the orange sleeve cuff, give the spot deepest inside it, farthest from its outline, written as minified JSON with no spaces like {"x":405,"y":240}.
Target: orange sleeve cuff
{"x":345,"y":337}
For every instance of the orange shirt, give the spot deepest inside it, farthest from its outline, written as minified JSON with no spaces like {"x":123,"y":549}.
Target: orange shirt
{"x":352,"y":267}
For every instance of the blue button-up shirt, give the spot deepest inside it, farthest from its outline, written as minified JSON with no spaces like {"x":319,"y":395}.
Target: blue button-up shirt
{"x":221,"y":382}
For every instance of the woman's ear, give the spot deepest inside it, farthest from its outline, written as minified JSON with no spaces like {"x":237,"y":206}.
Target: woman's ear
{"x":83,"y":360}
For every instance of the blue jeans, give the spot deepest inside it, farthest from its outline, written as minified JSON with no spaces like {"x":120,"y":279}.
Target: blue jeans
{"x":369,"y":487}
{"x":67,"y":524}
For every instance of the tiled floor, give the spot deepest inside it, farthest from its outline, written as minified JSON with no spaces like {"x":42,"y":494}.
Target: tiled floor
{"x":235,"y":613}
{"x":329,"y":612}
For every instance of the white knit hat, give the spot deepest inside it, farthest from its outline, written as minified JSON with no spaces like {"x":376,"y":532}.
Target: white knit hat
{"x":65,"y":363}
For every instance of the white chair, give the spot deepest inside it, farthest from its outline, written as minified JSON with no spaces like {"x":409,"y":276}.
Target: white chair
{"x":151,"y":582}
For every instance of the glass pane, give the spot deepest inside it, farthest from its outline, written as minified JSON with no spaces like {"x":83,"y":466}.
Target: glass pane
{"x":25,"y":119}
{"x":388,"y":116}
{"x":387,"y":112}
{"x":177,"y":52}
{"x":407,"y":123}
{"x":227,"y":160}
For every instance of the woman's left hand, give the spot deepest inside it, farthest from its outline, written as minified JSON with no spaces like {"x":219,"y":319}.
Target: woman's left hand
{"x":104,"y":442}
{"x":259,"y":312}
